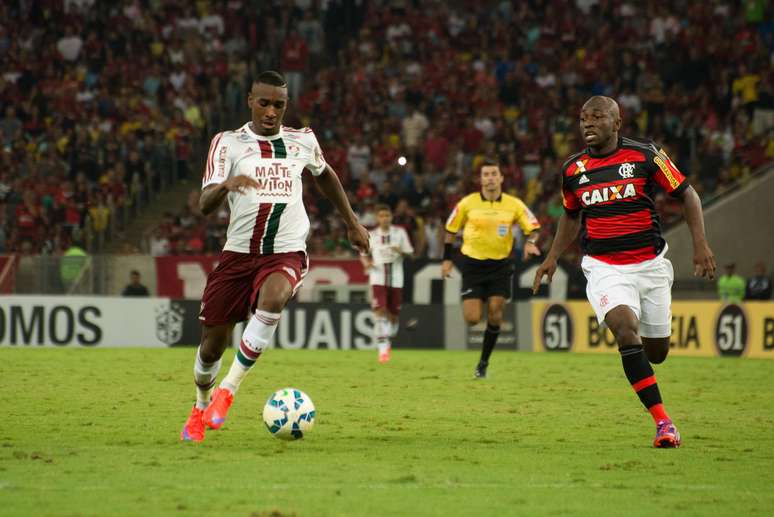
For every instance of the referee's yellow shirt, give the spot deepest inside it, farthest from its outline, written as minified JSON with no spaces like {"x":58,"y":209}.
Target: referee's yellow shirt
{"x":487,"y":224}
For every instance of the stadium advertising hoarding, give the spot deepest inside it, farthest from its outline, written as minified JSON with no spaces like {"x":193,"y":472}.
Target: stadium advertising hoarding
{"x":92,"y":321}
{"x":88,"y":321}
{"x":337,"y":326}
{"x":699,"y":328}
{"x":507,"y":339}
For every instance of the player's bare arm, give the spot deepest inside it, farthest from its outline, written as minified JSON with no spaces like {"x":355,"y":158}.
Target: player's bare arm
{"x":566,"y":233}
{"x":213,"y":195}
{"x":703,"y":258}
{"x":329,"y":184}
{"x":446,"y":265}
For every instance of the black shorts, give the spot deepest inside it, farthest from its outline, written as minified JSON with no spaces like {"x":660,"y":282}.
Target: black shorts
{"x":484,"y":278}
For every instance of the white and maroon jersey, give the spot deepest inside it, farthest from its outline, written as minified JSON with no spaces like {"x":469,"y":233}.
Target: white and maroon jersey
{"x":388,"y":262}
{"x":272,"y":218}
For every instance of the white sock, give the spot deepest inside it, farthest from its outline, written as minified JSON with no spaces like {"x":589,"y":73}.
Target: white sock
{"x":204,"y":377}
{"x":382,"y":332}
{"x":255,"y":339}
{"x":394,"y":327}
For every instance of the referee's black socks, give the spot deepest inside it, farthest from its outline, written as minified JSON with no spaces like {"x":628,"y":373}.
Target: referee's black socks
{"x":490,"y":340}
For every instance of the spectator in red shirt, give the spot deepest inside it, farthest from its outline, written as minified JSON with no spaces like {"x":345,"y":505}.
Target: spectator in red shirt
{"x":294,"y":60}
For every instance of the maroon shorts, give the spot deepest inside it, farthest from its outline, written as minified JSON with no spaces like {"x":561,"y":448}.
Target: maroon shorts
{"x":231,"y":293}
{"x":388,"y":298}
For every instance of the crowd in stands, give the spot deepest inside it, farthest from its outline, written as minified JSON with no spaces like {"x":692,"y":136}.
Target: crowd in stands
{"x":442,"y":85}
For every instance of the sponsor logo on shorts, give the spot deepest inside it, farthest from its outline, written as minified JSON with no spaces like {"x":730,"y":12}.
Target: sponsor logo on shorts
{"x":603,"y":301}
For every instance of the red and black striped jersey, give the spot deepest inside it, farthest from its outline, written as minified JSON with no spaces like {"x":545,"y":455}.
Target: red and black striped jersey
{"x":614,"y":194}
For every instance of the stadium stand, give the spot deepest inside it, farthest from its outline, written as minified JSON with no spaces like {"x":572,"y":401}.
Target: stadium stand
{"x":96,"y":122}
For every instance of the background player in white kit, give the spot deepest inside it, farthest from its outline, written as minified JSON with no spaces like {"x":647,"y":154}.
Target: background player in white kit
{"x":389,"y":245}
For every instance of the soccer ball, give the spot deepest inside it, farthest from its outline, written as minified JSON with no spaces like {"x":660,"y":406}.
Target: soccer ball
{"x":289,"y":414}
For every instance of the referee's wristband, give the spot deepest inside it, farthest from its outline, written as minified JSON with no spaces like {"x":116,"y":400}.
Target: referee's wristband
{"x":447,"y":251}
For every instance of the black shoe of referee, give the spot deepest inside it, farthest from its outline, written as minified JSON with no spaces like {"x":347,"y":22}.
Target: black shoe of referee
{"x":481,"y":370}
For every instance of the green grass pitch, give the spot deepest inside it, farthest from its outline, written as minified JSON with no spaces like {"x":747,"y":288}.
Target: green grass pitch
{"x":96,"y":432}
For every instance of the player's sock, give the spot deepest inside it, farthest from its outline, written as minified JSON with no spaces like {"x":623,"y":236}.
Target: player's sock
{"x":382,"y":332}
{"x":490,"y":340}
{"x":204,"y":377}
{"x":255,"y":339}
{"x":394,"y":327}
{"x":643,"y":380}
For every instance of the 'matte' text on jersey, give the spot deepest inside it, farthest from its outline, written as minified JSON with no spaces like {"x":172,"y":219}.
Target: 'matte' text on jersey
{"x":271,"y":218}
{"x":487,"y":233}
{"x":387,"y":250}
{"x":614,"y":194}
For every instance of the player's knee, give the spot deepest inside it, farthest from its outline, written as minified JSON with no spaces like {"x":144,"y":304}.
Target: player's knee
{"x":626,"y":335}
{"x":495,"y":318}
{"x":212,"y":346}
{"x":472,"y":319}
{"x":274,"y":296}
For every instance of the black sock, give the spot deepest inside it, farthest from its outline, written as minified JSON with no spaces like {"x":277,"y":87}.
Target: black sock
{"x":490,"y":340}
{"x":640,"y":375}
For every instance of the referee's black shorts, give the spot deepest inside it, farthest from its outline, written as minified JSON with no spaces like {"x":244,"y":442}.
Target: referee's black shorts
{"x":484,"y":278}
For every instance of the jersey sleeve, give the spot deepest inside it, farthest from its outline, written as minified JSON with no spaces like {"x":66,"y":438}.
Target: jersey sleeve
{"x":218,"y":167}
{"x":525,"y":218}
{"x":316,"y":161}
{"x":666,"y":174}
{"x":570,"y":201}
{"x":405,"y":242}
{"x":458,"y":217}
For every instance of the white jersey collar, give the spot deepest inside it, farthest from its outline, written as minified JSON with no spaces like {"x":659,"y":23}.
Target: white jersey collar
{"x":253,"y":134}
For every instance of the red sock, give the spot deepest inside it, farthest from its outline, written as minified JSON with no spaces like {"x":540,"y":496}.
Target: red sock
{"x":658,"y":413}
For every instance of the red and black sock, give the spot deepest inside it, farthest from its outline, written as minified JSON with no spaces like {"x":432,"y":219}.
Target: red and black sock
{"x":490,"y":340}
{"x":643,"y":380}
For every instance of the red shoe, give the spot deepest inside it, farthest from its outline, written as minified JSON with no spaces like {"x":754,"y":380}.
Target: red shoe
{"x":215,"y":414}
{"x":384,"y":356}
{"x":667,"y":435}
{"x":193,"y":430}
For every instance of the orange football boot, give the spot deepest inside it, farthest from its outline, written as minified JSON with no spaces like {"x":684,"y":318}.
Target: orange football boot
{"x":215,"y":414}
{"x":193,"y":430}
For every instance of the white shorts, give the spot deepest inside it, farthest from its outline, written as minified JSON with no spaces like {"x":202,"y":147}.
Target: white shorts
{"x":645,"y":287}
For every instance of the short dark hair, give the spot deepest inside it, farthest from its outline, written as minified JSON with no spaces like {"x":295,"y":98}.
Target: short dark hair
{"x":490,"y":162}
{"x":271,"y":78}
{"x":382,"y":207}
{"x":134,"y":272}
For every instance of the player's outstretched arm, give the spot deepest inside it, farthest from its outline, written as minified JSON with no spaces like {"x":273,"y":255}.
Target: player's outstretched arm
{"x":565,"y":233}
{"x":212,"y":195}
{"x":703,"y":258}
{"x":329,"y":184}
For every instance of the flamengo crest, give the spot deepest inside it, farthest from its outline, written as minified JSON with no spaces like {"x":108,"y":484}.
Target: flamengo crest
{"x":626,"y":170}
